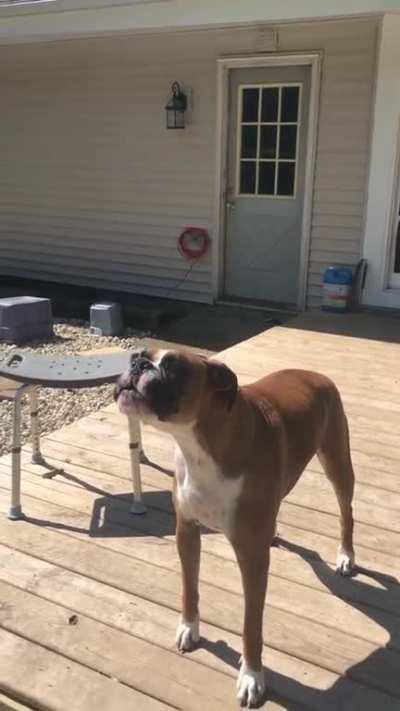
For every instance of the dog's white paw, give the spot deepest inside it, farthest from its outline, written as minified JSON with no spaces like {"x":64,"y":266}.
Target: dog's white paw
{"x":344,"y":562}
{"x":187,"y":635}
{"x":250,"y":686}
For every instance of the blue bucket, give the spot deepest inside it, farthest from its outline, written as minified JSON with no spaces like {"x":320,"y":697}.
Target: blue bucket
{"x":336,"y":289}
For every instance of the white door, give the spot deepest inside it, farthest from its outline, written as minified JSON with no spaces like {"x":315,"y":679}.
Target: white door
{"x":268,"y":116}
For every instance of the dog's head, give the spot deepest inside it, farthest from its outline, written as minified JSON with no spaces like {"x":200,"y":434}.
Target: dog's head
{"x":173,"y":386}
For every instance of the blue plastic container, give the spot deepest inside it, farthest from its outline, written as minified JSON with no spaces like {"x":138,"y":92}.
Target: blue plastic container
{"x":336,"y":289}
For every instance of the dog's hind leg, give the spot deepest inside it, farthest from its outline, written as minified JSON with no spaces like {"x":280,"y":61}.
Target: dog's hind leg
{"x":334,"y":455}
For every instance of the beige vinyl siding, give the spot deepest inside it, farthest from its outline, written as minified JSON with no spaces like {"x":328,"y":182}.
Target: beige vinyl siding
{"x":94,"y":189}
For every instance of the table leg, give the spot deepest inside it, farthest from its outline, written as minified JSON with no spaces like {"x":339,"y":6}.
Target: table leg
{"x":35,"y":427}
{"x":134,"y":449}
{"x":15,"y":511}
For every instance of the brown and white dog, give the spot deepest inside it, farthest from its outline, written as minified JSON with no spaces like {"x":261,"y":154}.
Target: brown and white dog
{"x":239,"y":451}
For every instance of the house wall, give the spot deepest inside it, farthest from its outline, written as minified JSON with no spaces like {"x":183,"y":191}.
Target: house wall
{"x":93,"y":188}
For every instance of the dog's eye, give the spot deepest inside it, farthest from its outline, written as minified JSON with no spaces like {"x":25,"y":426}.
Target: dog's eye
{"x":142,"y":364}
{"x":171,"y":363}
{"x":136,"y":355}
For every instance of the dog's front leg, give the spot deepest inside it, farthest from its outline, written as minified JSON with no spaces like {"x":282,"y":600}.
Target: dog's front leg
{"x":188,"y":542}
{"x":252,"y":553}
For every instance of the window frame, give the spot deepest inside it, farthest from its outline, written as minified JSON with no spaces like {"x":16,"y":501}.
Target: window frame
{"x":258,"y":124}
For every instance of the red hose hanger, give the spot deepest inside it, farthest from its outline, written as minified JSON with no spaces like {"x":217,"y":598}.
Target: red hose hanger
{"x":194,"y":243}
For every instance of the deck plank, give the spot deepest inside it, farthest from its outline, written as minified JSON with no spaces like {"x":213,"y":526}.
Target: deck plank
{"x":329,"y":643}
{"x":374,"y":546}
{"x":134,"y":662}
{"x":283,"y":595}
{"x":294,"y":562}
{"x":296,"y":635}
{"x":147,"y":620}
{"x":40,"y":677}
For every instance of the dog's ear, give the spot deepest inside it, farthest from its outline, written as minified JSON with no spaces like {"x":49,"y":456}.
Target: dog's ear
{"x":223,"y":381}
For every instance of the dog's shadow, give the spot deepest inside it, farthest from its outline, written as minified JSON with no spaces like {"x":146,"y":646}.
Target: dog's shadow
{"x":380,"y":670}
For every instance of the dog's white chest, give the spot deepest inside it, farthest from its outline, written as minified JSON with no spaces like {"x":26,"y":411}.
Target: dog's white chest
{"x":203,"y":493}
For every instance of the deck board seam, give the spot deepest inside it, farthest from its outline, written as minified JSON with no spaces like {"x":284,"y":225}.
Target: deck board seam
{"x":222,"y":628}
{"x":300,"y":528}
{"x":209,"y":585}
{"x":50,"y":649}
{"x":309,"y":469}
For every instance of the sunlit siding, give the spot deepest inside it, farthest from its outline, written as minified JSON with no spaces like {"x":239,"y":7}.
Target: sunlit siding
{"x":95,"y":191}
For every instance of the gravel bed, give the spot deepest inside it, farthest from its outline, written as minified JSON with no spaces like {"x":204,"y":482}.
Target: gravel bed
{"x":58,"y":408}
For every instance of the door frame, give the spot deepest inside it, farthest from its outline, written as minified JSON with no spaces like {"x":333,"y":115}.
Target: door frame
{"x":224,"y":66}
{"x":392,"y":280}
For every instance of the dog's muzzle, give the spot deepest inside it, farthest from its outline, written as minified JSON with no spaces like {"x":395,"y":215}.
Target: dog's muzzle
{"x":148,"y":386}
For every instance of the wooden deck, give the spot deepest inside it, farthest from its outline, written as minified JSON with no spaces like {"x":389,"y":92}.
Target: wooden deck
{"x":89,"y":595}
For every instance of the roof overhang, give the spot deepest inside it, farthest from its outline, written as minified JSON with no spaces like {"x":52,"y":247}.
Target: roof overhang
{"x":59,"y":19}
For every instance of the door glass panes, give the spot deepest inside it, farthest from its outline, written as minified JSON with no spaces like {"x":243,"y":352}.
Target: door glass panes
{"x":268,"y":136}
{"x":250,"y":105}
{"x":270,"y":105}
{"x":266,"y":178}
{"x":286,"y":178}
{"x":269,"y":118}
{"x":247,"y":177}
{"x":290,"y":103}
{"x":249,"y":141}
{"x":287,"y":142}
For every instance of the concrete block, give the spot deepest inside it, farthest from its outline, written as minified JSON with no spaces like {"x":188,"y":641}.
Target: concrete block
{"x":106,"y":319}
{"x":24,"y":318}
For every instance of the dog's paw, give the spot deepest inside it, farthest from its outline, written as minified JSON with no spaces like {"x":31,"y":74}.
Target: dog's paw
{"x":187,"y":635}
{"x":344,"y":563}
{"x":250,"y":686}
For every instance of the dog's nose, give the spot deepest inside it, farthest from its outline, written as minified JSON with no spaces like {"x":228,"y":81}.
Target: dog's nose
{"x":124,"y":382}
{"x":139,"y":365}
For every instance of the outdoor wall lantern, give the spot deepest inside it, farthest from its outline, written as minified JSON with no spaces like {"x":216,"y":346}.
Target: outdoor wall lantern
{"x":176,"y":107}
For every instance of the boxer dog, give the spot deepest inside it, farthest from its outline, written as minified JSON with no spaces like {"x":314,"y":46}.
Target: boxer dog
{"x":239,"y":452}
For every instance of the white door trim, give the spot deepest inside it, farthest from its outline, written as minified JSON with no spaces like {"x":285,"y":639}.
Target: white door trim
{"x":393,"y":279}
{"x":313,"y":60}
{"x":378,"y":248}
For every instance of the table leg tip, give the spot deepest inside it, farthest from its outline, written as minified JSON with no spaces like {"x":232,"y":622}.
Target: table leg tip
{"x":15,"y":513}
{"x":138,"y":508}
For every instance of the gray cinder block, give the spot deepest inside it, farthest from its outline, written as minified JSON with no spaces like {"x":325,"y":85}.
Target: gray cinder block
{"x":106,"y":319}
{"x":24,"y":318}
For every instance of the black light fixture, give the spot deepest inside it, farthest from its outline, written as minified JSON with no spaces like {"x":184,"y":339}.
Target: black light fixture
{"x":176,"y":107}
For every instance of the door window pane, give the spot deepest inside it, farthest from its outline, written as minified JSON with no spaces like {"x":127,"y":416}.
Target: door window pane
{"x":286,"y":173}
{"x":270,"y":103}
{"x":250,"y":105}
{"x":287,"y":142}
{"x":268,"y":141}
{"x":249,"y":141}
{"x":248,"y":177}
{"x":266,"y":178}
{"x":290,"y":103}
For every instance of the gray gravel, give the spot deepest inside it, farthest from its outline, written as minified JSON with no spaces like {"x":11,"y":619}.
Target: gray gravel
{"x":58,"y":408}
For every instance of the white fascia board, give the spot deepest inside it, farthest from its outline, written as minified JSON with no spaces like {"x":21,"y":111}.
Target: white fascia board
{"x":53,"y":20}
